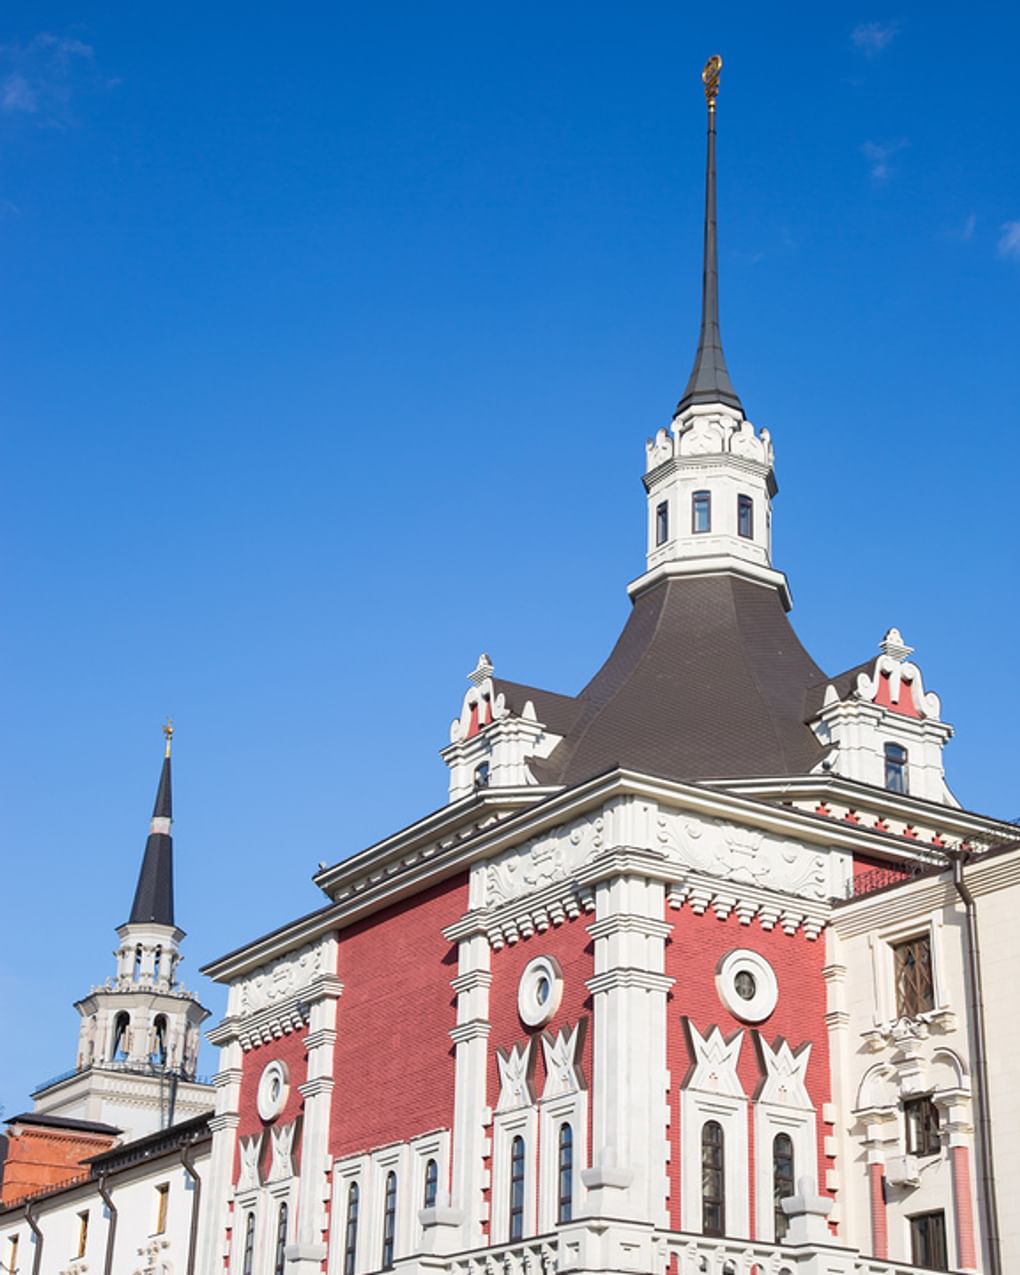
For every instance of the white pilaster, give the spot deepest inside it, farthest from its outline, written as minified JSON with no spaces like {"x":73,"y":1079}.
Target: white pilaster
{"x":470,"y":1036}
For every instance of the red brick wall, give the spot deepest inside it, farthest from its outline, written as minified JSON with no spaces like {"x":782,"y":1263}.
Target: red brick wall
{"x":290,"y":1050}
{"x":693,"y":952}
{"x":394,"y":1063}
{"x":39,"y":1157}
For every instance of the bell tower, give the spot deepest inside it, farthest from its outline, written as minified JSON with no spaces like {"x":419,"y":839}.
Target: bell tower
{"x":140,"y":1030}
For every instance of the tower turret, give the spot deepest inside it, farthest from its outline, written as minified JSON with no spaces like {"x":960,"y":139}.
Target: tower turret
{"x":140,"y":1030}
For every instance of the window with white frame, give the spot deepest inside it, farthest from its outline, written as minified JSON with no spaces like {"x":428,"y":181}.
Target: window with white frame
{"x":565,"y":1173}
{"x":351,"y":1229}
{"x":389,"y":1228}
{"x":514,"y":1139}
{"x":713,"y":1179}
{"x":280,"y":1250}
{"x":248,"y":1258}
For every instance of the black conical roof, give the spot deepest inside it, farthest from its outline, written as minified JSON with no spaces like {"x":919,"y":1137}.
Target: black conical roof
{"x":710,"y":379}
{"x":154,"y":894}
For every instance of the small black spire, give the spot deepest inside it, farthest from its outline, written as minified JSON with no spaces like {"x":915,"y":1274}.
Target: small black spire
{"x":154,"y":894}
{"x":710,"y":380}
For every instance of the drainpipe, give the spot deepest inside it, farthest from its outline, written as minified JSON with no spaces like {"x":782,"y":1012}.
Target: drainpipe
{"x":34,"y":1228}
{"x":977,"y":1020}
{"x":111,"y":1232}
{"x":188,"y":1160}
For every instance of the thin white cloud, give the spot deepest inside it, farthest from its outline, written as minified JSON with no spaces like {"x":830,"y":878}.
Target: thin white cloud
{"x":968,"y":228}
{"x":872,"y":38}
{"x":879,"y":156}
{"x":37,"y":78}
{"x":1009,"y":241}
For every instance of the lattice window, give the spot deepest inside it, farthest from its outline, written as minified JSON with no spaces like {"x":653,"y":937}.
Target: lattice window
{"x":565,"y":1200}
{"x":713,"y":1179}
{"x":915,"y":989}
{"x":922,"y":1121}
{"x":517,"y":1189}
{"x":782,"y":1180}
{"x":351,"y":1228}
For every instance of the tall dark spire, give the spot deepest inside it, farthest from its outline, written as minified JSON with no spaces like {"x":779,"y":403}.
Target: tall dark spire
{"x":154,"y":894}
{"x":710,"y":380}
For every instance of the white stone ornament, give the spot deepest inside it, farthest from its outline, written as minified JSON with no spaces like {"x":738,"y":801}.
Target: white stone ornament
{"x":747,"y":985}
{"x":514,"y":1077}
{"x":281,"y":1146}
{"x":274,"y":1085}
{"x":540,"y":991}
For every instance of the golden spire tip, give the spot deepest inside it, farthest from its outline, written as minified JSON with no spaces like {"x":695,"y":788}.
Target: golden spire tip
{"x":168,"y":731}
{"x":710,"y":79}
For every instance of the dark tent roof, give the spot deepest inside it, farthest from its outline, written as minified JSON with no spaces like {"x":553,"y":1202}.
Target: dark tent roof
{"x":707,"y":680}
{"x":154,"y":894}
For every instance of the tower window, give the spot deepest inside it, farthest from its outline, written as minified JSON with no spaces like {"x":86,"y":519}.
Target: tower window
{"x":915,"y":988}
{"x":279,"y":1263}
{"x":119,"y":1052}
{"x":713,"y":1181}
{"x":157,"y":961}
{"x":389,"y":1220}
{"x":662,"y":523}
{"x":481,"y":777}
{"x":351,"y":1229}
{"x":928,"y":1241}
{"x":431,"y":1184}
{"x":162,"y":1200}
{"x":517,"y":1188}
{"x":701,"y":511}
{"x":895,"y":768}
{"x":158,"y":1055}
{"x":922,"y":1120}
{"x":136,"y":973}
{"x":745,"y":517}
{"x":248,"y":1261}
{"x":782,"y":1180}
{"x":565,"y":1203}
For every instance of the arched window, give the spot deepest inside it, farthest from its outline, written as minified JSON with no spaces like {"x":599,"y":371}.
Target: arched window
{"x":157,"y":961}
{"x":119,"y":1051}
{"x":782,"y":1180}
{"x":895,"y":768}
{"x":137,"y":972}
{"x":389,"y":1220}
{"x":701,"y":511}
{"x":713,"y":1183}
{"x":565,"y":1201}
{"x":431,"y":1184}
{"x":158,"y":1055}
{"x":481,"y":777}
{"x":351,"y":1229}
{"x":517,"y":1189}
{"x":248,"y":1261}
{"x":281,"y":1240}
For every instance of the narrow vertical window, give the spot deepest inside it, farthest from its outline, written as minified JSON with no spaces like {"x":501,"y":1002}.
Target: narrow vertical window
{"x":517,"y":1189}
{"x":928,"y":1241}
{"x":745,"y":517}
{"x":713,"y":1186}
{"x":431,"y":1184}
{"x":281,"y":1240}
{"x":915,"y":987}
{"x":351,"y":1229}
{"x":921,"y":1117}
{"x":565,"y":1202}
{"x":162,"y":1200}
{"x":157,"y":961}
{"x":136,"y":973}
{"x":119,"y":1051}
{"x":662,"y":523}
{"x":782,"y":1180}
{"x":12,"y":1256}
{"x":248,"y":1261}
{"x":389,"y":1220}
{"x":895,"y":768}
{"x":83,"y":1232}
{"x":701,"y":511}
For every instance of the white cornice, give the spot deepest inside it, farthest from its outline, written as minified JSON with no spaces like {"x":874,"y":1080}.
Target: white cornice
{"x":387,"y":873}
{"x":722,"y":565}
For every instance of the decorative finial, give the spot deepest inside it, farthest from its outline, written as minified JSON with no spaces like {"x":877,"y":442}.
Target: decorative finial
{"x":710,"y":79}
{"x":168,"y":731}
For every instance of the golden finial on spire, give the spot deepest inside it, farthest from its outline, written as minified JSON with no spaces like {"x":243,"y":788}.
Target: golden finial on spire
{"x":710,"y":79}
{"x":168,"y":731}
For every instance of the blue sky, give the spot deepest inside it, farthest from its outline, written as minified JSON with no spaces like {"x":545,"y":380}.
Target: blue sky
{"x":331,"y":338}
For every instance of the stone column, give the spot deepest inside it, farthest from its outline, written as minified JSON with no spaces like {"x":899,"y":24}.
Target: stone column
{"x":881,"y":1127}
{"x":471,"y":1037}
{"x":305,"y":1256}
{"x":876,"y":1198}
{"x":628,"y":1178}
{"x":217,"y":1186}
{"x":955,"y":1108}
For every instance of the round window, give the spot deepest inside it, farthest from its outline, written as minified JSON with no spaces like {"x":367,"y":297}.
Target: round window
{"x":540,"y":991}
{"x":747,"y":985}
{"x":273,"y":1090}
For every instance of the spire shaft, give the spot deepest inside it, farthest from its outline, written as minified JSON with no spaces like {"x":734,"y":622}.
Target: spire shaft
{"x":154,"y":894}
{"x":710,"y":379}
